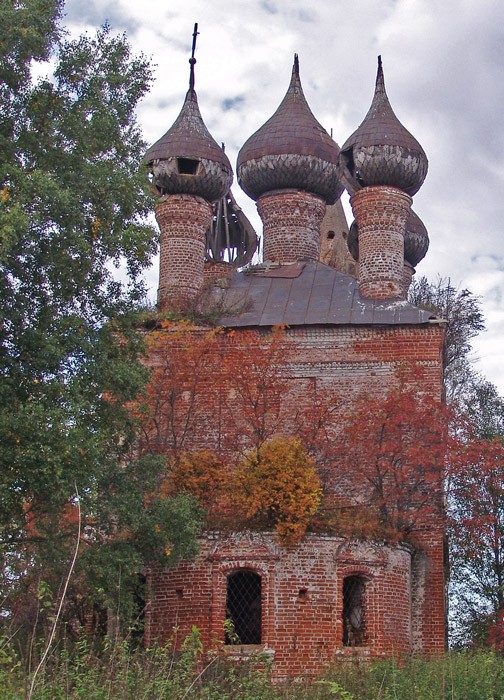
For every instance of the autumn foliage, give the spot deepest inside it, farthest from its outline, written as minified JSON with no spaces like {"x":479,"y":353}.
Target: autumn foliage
{"x":278,"y":485}
{"x":391,"y":459}
{"x":476,"y":529}
{"x":274,"y":487}
{"x":218,"y":407}
{"x":202,"y":474}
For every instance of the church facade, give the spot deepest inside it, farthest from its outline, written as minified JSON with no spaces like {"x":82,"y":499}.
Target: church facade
{"x":347,"y":332}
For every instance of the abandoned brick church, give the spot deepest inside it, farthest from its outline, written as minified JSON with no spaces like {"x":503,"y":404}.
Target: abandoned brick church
{"x":340,"y":296}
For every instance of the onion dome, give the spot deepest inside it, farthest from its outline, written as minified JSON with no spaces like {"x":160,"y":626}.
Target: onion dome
{"x":416,"y":240}
{"x":187,"y":160}
{"x":382,"y":151}
{"x":291,"y":151}
{"x":353,"y":240}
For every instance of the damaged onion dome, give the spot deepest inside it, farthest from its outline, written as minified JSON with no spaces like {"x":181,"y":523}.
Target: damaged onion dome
{"x":382,"y":151}
{"x":290,"y":151}
{"x":187,"y":160}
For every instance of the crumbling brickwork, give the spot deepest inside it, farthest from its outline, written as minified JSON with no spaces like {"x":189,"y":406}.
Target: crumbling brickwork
{"x":381,"y":214}
{"x":291,"y":220}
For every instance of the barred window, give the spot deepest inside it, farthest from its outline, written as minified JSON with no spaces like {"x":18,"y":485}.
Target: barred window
{"x":354,"y":611}
{"x":243,"y":608}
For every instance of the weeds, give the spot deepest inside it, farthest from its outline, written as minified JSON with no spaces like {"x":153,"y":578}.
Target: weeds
{"x":161,"y":673}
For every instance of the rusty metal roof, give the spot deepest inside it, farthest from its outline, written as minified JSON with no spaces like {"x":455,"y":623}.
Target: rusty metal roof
{"x":316,"y":295}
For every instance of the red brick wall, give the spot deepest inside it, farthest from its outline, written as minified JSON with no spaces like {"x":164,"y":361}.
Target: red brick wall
{"x":302,"y":599}
{"x":291,"y":221}
{"x":404,"y":597}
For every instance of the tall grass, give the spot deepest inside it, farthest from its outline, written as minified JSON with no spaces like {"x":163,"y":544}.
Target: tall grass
{"x":160,"y":674}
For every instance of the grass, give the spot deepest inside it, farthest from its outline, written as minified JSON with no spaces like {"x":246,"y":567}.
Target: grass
{"x":160,"y":674}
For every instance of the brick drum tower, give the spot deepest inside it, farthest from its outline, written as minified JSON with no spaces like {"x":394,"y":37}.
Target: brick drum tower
{"x":331,"y":593}
{"x":189,"y":173}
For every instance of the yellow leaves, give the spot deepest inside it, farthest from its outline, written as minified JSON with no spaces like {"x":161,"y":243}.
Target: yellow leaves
{"x":4,"y":194}
{"x":95,"y":228}
{"x":200,"y":473}
{"x":279,"y":485}
{"x":276,"y":486}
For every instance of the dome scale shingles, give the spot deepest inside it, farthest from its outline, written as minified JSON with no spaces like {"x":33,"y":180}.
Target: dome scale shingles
{"x":290,"y":151}
{"x":381,"y":151}
{"x":187,"y":160}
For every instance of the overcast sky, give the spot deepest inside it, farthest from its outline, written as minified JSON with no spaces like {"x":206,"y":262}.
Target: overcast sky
{"x":444,"y":72}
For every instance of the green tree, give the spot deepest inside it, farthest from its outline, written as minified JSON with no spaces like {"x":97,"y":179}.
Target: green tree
{"x":464,"y":320}
{"x":476,"y":515}
{"x":73,"y":203}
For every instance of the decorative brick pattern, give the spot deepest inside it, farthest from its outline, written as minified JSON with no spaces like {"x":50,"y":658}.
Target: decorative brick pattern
{"x":183,"y":220}
{"x":381,"y":213}
{"x":291,"y":220}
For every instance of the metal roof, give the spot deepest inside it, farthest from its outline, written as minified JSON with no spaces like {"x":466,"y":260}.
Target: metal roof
{"x":310,"y":293}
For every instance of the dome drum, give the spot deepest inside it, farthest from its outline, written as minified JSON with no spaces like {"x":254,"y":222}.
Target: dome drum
{"x":416,"y":240}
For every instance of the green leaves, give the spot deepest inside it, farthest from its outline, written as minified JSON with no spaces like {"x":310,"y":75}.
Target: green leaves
{"x":74,"y":204}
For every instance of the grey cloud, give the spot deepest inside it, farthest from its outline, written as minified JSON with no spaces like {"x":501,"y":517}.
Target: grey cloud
{"x":304,"y":15}
{"x":97,"y":14}
{"x":269,"y":7}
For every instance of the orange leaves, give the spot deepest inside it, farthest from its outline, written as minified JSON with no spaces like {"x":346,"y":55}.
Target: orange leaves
{"x":211,"y":389}
{"x":275,"y":486}
{"x":393,"y":456}
{"x":477,"y":496}
{"x":182,"y":388}
{"x":279,"y":485}
{"x":218,"y":401}
{"x":202,"y":474}
{"x":252,"y":367}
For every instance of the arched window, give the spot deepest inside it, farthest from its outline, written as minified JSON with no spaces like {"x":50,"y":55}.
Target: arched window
{"x":354,"y":611}
{"x":243,"y":608}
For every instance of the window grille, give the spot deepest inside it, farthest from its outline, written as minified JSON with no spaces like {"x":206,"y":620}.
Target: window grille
{"x":354,"y":611}
{"x":243,"y":608}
